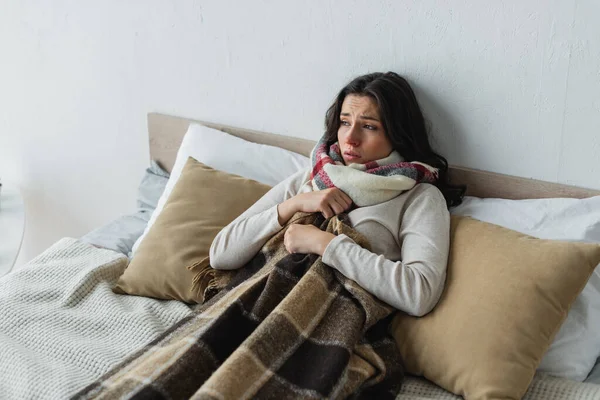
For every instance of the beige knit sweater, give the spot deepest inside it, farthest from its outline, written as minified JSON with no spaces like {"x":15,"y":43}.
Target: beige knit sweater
{"x":409,"y":236}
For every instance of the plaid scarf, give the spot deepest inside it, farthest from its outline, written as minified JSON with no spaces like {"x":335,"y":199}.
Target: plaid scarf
{"x":370,"y":183}
{"x":285,"y":326}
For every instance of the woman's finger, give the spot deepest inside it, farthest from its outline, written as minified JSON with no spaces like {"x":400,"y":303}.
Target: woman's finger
{"x":343,"y":198}
{"x":326,"y":211}
{"x":337,"y":206}
{"x":346,"y":201}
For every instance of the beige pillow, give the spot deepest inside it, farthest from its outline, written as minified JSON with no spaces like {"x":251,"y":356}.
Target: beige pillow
{"x":203,"y":201}
{"x":506,"y":296}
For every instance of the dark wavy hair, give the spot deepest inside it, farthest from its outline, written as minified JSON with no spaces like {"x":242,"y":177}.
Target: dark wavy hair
{"x":402,"y":120}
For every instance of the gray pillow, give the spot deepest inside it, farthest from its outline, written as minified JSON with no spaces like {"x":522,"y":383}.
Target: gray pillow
{"x":151,"y":187}
{"x":594,"y":376}
{"x":120,"y":234}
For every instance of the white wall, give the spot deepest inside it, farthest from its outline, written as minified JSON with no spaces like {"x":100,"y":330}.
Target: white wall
{"x":509,"y":86}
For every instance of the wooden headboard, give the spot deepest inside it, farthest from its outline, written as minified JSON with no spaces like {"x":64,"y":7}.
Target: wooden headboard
{"x":166,"y":133}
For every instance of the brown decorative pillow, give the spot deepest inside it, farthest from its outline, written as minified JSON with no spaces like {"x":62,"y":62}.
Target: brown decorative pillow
{"x":203,"y":201}
{"x":506,"y":296}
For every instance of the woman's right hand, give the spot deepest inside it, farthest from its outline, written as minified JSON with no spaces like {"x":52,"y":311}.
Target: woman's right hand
{"x":329,"y":202}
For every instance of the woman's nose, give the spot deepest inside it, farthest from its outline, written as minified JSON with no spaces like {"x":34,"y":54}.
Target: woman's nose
{"x":353,"y":136}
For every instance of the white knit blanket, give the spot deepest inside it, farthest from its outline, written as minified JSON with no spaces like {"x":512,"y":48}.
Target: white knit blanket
{"x":61,"y":326}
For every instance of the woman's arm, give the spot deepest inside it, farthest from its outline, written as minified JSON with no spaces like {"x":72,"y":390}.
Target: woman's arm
{"x":239,"y":241}
{"x":415,"y":284}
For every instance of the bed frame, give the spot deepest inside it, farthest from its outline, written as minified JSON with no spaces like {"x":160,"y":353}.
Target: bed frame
{"x":166,"y":134}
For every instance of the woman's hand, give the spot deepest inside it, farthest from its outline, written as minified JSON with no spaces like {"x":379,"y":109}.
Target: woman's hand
{"x":329,"y":202}
{"x":306,"y":239}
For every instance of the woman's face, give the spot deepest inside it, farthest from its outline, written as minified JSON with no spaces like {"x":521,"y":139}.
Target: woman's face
{"x":361,"y":136}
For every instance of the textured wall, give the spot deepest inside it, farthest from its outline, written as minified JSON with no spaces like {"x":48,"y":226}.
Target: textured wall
{"x":509,"y":86}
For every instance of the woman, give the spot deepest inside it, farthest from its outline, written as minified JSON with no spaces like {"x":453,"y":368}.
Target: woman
{"x":373,"y":163}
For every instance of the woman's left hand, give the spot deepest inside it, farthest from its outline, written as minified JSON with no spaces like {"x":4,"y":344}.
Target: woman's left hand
{"x":306,"y":239}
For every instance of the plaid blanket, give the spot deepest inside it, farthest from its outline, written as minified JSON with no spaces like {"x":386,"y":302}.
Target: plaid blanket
{"x":285,"y":326}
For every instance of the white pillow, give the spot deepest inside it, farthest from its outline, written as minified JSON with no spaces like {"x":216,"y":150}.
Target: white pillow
{"x":577,"y":344}
{"x":219,"y":150}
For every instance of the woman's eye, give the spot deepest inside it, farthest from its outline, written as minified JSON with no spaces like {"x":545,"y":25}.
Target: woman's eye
{"x":371,"y":127}
{"x":346,"y":123}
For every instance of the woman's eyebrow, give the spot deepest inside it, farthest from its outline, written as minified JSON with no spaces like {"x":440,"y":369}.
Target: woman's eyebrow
{"x":369,"y":117}
{"x":361,"y":117}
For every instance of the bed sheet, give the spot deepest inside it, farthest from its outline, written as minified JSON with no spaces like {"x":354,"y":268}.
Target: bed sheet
{"x":119,"y":234}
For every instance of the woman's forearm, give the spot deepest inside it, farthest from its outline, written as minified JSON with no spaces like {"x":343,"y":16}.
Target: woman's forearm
{"x":237,"y":243}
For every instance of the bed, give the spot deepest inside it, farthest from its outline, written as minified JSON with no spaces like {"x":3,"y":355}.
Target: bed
{"x":63,"y":327}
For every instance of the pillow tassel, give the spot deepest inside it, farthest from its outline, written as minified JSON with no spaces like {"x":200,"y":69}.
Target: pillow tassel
{"x":208,"y":281}
{"x":203,"y":283}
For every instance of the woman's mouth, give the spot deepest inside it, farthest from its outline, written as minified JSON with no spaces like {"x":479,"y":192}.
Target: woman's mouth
{"x":350,"y":156}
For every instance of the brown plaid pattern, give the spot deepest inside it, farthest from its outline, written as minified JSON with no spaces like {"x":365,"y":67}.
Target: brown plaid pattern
{"x":286,"y":326}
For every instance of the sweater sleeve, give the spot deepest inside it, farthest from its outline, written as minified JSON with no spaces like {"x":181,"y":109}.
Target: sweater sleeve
{"x":239,"y":241}
{"x":414,"y":284}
